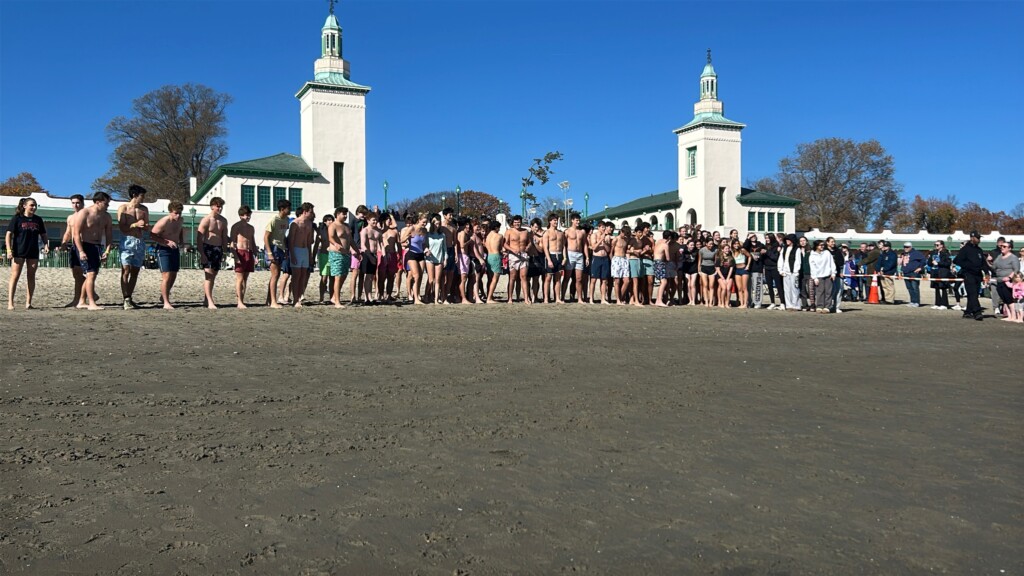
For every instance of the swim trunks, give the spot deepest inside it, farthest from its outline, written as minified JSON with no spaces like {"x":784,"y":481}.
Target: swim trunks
{"x":214,"y":256}
{"x":537,"y":266}
{"x":463,"y":264}
{"x":634,"y":267}
{"x":245,"y":261}
{"x":92,"y":258}
{"x":387,"y":263}
{"x":659,"y":269}
{"x":323,"y":265}
{"x":133,"y":251}
{"x":450,"y":263}
{"x":620,"y":267}
{"x":494,"y":263}
{"x":340,"y":263}
{"x":300,"y":257}
{"x":368,"y":263}
{"x":281,"y":259}
{"x":556,"y":264}
{"x":671,"y":270}
{"x":601,"y":267}
{"x":73,"y":260}
{"x":646,"y":267}
{"x":518,"y":260}
{"x":707,"y":270}
{"x":169,"y":259}
{"x":574,"y":261}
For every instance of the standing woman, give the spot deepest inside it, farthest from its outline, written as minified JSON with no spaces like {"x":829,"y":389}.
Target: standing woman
{"x":690,"y":265}
{"x":725,"y":266}
{"x":772,"y":278}
{"x":822,"y":276}
{"x":22,"y":238}
{"x":742,"y":260}
{"x":707,"y":272}
{"x":806,"y":286}
{"x":789,"y":269}
{"x":436,"y":256}
{"x":940,"y":268}
{"x":414,"y":239}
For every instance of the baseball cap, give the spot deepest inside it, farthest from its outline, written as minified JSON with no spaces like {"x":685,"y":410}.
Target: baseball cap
{"x":908,"y":245}
{"x":975,"y":234}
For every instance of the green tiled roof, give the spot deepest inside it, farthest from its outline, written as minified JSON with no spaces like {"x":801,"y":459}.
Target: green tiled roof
{"x":331,"y":23}
{"x":639,"y":206}
{"x":749,"y":197}
{"x":282,"y":166}
{"x":708,"y":71}
{"x":713,"y":118}
{"x":337,"y":79}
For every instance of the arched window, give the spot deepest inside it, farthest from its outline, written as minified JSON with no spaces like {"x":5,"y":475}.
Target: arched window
{"x":670,"y":221}
{"x":691,"y":217}
{"x":654,"y":223}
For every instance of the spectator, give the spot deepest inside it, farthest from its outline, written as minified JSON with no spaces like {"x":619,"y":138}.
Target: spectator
{"x":887,"y":266}
{"x":913,"y":263}
{"x":940,"y":269}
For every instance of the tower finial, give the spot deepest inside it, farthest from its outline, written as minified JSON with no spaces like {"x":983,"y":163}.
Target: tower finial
{"x":709,"y":49}
{"x":332,"y":2}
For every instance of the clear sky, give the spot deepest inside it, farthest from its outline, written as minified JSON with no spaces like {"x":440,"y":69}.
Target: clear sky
{"x":469,"y":92}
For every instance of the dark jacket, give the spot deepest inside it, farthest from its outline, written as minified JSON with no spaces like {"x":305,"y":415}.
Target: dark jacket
{"x":971,"y":260}
{"x":887,"y":262}
{"x":915,"y":263}
{"x":840,"y":260}
{"x":870,"y":261}
{"x":771,"y":257}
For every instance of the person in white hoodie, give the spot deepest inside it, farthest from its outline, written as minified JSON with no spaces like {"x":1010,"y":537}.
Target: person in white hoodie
{"x":823,"y":274}
{"x":789,"y":269}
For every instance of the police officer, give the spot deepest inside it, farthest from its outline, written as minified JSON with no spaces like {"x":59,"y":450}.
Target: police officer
{"x":972,"y":263}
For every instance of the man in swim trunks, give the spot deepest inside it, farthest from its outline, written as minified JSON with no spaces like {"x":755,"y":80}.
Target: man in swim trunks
{"x":389,"y":257}
{"x":553,"y":247}
{"x":646,"y":278}
{"x":320,"y":249}
{"x":243,"y":242}
{"x":93,"y":225}
{"x":666,"y":251}
{"x":451,"y":264}
{"x":600,"y":242}
{"x":300,"y":240}
{"x":68,"y":242}
{"x":132,"y":221}
{"x":517,"y":240}
{"x":369,"y":242}
{"x":168,"y":235}
{"x":339,"y":252}
{"x":535,"y":271}
{"x":575,"y":257}
{"x":274,"y":242}
{"x":212,"y":240}
{"x":463,"y":253}
{"x":494,"y":243}
{"x":620,"y":264}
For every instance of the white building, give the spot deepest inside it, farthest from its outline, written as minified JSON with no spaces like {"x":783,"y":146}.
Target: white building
{"x":709,"y":191}
{"x":331,"y":170}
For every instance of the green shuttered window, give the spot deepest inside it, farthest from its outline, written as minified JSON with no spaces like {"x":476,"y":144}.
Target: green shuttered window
{"x":248,"y":195}
{"x":263,"y":198}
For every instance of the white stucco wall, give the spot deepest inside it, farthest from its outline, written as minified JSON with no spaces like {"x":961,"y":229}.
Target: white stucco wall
{"x":333,"y":129}
{"x":718,"y":165}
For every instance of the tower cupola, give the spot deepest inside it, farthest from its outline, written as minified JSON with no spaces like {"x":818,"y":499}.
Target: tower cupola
{"x":709,"y":81}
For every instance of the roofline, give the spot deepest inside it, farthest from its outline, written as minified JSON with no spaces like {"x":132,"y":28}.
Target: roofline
{"x":607,"y":214}
{"x":227,"y":170}
{"x":357,"y":89}
{"x":785,"y":203}
{"x":689,"y":127}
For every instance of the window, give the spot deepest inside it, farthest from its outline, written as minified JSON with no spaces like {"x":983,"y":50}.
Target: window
{"x":339,"y":184}
{"x":691,"y":161}
{"x":750,"y":220}
{"x":760,"y":221}
{"x":295,"y":195}
{"x":281,"y":193}
{"x":782,"y":222}
{"x":771,"y":222}
{"x":721,"y":206}
{"x":263,"y":198}
{"x":249,"y":196}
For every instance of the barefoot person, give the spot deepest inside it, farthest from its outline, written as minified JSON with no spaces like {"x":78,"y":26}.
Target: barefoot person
{"x":369,"y":245}
{"x":277,"y":250}
{"x":339,"y":252}
{"x":68,"y":243}
{"x":576,"y":248}
{"x":243,"y":242}
{"x":92,"y":226}
{"x":132,"y":221}
{"x":213,"y":241}
{"x":300,"y":240}
{"x":517,"y":239}
{"x":554,"y":258}
{"x":494,"y":243}
{"x":168,"y":235}
{"x":620,"y":264}
{"x":323,"y":264}
{"x":24,"y":232}
{"x":600,"y":263}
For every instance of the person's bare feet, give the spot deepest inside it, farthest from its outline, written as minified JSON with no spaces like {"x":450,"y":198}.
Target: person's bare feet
{"x":10,"y":306}
{"x":242,"y":305}
{"x":298,"y":304}
{"x":638,"y":303}
{"x":276,"y":305}
{"x":661,"y":304}
{"x":94,"y":307}
{"x":620,"y":303}
{"x":167,"y":306}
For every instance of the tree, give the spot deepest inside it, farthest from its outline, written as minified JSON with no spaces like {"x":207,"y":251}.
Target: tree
{"x":473,"y":203}
{"x":21,"y":185}
{"x":931,"y":214}
{"x":175,"y":132}
{"x":843,"y":184}
{"x":541,"y":170}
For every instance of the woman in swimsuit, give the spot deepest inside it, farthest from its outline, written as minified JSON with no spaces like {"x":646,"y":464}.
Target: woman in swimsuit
{"x":690,"y":265}
{"x":707,"y":272}
{"x":436,"y":254}
{"x":414,"y":239}
{"x":725,"y":265}
{"x":742,"y":259}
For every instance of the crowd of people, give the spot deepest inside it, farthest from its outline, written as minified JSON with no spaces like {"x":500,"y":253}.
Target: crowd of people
{"x":441,"y":258}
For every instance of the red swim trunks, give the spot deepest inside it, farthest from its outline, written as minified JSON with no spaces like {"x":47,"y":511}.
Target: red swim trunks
{"x":245,"y":261}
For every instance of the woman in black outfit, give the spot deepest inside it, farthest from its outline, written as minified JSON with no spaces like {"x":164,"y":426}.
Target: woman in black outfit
{"x":772,"y":278}
{"x":24,"y":232}
{"x":940,"y":265}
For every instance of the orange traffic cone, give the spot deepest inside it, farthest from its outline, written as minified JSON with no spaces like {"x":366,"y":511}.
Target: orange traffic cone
{"x":873,"y":294}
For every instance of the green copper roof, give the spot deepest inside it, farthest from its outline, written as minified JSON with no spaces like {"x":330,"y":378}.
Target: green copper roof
{"x":750,"y":197}
{"x":338,"y":79}
{"x":709,"y":70}
{"x":331,"y":23}
{"x":666,"y":200}
{"x":282,"y":166}
{"x":712,"y":118}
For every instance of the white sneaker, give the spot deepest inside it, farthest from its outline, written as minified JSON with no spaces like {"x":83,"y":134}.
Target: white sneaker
{"x":957,"y":307}
{"x":838,"y":311}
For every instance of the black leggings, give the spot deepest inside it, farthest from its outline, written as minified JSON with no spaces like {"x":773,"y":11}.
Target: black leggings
{"x":773,"y":280}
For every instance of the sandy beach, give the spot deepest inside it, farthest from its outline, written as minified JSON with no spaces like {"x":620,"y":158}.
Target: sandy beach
{"x":504,"y":439}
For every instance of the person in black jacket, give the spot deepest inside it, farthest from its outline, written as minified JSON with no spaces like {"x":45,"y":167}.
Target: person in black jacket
{"x":772,"y":277}
{"x":940,"y":269}
{"x":972,"y":263}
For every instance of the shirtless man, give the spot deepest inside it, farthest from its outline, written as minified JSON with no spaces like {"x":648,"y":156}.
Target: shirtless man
{"x":517,"y":240}
{"x":584,"y":290}
{"x":633,"y":254}
{"x":646,"y":278}
{"x":464,"y":254}
{"x":92,"y":226}
{"x":275,"y":243}
{"x":300,"y":240}
{"x":666,"y":251}
{"x":538,"y":262}
{"x":620,"y":264}
{"x":243,"y":242}
{"x":483,"y":271}
{"x":132,"y":221}
{"x":451,"y":265}
{"x":553,"y":247}
{"x":357,"y":230}
{"x":322,"y":262}
{"x":599,"y":244}
{"x":576,"y":247}
{"x":212,"y":237}
{"x":168,"y":235}
{"x":68,"y":242}
{"x":495,"y":244}
{"x":339,"y":252}
{"x":389,"y":261}
{"x":369,"y":244}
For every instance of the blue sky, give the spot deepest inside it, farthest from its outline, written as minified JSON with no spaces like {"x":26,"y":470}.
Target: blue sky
{"x":469,"y":92}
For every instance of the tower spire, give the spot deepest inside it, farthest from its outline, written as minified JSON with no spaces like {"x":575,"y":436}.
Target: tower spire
{"x":332,"y":2}
{"x":709,"y":49}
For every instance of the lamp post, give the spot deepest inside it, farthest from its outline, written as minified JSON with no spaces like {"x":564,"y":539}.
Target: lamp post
{"x":564,"y":185}
{"x":458,"y":200}
{"x":533,"y":212}
{"x":522,"y":199}
{"x":385,"y":195}
{"x":568,"y":206}
{"x":443,"y":205}
{"x":586,"y":204}
{"x":192,"y":213}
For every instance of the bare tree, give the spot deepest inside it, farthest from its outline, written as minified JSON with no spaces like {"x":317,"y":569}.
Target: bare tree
{"x":174,"y":132}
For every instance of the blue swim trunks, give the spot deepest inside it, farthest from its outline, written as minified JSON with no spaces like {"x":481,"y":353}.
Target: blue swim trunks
{"x":133,"y":251}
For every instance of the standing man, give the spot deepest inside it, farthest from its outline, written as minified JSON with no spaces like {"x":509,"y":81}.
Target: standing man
{"x":575,"y":261}
{"x":168,"y":235}
{"x":494,"y":243}
{"x":887,"y":267}
{"x":132,"y":221}
{"x":213,"y":241}
{"x":600,"y":263}
{"x":972,"y":262}
{"x":369,"y":243}
{"x":913,"y":264}
{"x":300,"y":240}
{"x":243,"y":242}
{"x":92,"y":226}
{"x":68,"y":242}
{"x":553,"y":246}
{"x":339,"y":252}
{"x":517,"y":239}
{"x":322,"y":256}
{"x":277,"y":251}
{"x":620,"y":264}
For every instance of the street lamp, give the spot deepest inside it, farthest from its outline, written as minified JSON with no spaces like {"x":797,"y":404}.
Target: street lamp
{"x":533,"y":212}
{"x":564,"y":185}
{"x":192,"y":213}
{"x":385,"y":195}
{"x":522,"y":199}
{"x":568,"y":206}
{"x":586,"y":204}
{"x":458,"y":200}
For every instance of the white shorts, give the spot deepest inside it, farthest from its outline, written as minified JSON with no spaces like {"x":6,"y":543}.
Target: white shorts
{"x":574,"y":261}
{"x":620,"y":267}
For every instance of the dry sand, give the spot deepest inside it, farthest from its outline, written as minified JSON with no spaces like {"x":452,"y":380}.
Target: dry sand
{"x":506,"y":440}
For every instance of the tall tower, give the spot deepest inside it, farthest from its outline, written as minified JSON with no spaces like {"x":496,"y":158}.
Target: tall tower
{"x":333,"y":122}
{"x":709,"y":161}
